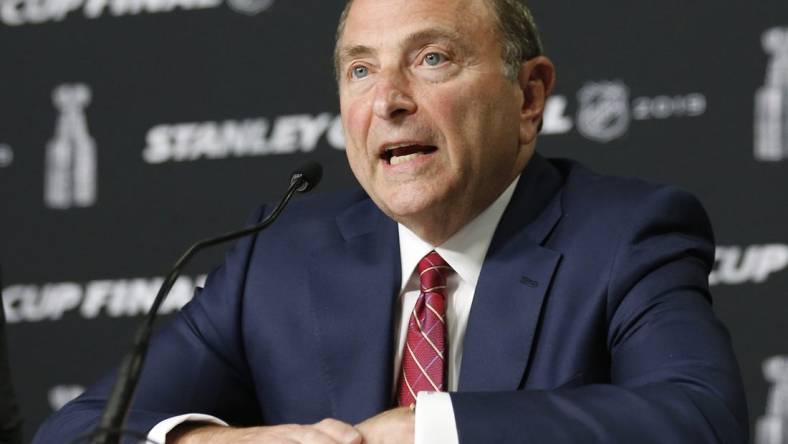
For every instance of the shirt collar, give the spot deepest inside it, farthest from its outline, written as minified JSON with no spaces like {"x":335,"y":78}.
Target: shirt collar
{"x":465,"y":250}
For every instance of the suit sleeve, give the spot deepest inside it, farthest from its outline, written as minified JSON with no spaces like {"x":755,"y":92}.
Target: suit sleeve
{"x":674,"y":377}
{"x":196,"y":364}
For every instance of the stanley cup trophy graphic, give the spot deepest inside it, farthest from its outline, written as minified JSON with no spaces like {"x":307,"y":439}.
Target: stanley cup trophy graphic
{"x":771,"y":101}
{"x":772,"y":427}
{"x":70,"y":179}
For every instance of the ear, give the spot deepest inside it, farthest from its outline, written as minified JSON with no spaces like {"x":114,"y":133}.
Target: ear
{"x":536,"y":79}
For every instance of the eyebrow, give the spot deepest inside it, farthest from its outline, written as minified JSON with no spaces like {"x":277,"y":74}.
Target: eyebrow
{"x":434,"y":34}
{"x":426,"y":35}
{"x":353,"y":52}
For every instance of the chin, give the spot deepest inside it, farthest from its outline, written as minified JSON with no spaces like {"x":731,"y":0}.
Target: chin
{"x":403,"y":206}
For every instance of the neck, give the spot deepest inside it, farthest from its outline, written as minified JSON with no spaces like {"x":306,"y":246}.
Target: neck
{"x":444,"y":219}
{"x":452,"y":222}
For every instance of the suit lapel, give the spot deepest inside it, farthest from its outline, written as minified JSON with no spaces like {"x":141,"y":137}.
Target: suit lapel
{"x":513,"y":283}
{"x":354,"y":285}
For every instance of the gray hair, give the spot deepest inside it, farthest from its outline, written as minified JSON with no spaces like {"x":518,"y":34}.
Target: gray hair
{"x":517,"y":30}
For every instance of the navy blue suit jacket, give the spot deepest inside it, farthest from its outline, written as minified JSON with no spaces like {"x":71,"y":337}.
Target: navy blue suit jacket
{"x":591,"y":322}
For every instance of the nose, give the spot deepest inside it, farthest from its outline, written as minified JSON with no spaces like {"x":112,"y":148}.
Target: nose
{"x":393,"y":99}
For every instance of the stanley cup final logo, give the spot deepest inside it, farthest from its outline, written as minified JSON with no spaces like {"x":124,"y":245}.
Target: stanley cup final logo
{"x":772,"y":427}
{"x":70,"y":179}
{"x":771,"y":101}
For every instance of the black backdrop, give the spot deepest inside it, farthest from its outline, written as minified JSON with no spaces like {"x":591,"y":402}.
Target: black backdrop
{"x":130,"y":128}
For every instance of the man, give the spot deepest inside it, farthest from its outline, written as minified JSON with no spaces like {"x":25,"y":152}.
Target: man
{"x":555,"y":305}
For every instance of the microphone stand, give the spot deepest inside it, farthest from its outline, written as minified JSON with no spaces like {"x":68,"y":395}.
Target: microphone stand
{"x":110,"y":427}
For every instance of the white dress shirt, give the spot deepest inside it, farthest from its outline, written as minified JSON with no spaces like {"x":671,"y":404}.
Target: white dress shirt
{"x":464,"y":252}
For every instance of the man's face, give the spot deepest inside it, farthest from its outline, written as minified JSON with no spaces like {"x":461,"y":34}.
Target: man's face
{"x":432,"y":123}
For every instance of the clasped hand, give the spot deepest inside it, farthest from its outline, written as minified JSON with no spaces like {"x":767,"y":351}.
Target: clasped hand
{"x":394,"y":426}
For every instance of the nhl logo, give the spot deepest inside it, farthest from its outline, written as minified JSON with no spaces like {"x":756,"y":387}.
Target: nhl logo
{"x":603,"y":113}
{"x":771,"y":100}
{"x":249,"y":7}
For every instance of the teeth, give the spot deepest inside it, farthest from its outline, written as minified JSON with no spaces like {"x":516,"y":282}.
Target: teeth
{"x":396,"y":160}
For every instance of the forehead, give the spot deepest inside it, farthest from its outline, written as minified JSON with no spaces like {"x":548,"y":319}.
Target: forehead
{"x":377,"y":22}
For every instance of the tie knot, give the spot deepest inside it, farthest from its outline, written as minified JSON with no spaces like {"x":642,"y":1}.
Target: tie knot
{"x":432,"y":271}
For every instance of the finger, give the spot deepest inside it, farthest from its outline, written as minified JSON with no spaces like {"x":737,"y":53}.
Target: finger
{"x":309,"y":434}
{"x":279,"y":440}
{"x":340,"y":431}
{"x":280,"y":434}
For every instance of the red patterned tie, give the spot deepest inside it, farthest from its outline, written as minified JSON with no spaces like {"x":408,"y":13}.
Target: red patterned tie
{"x":423,"y":357}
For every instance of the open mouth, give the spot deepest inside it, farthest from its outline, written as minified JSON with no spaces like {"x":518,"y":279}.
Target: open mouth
{"x":406,"y":153}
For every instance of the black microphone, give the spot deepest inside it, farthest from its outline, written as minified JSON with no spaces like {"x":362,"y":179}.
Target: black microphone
{"x":110,"y":427}
{"x":308,"y":174}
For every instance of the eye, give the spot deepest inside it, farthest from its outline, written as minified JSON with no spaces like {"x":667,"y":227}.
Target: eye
{"x":359,"y":72}
{"x":434,"y":58}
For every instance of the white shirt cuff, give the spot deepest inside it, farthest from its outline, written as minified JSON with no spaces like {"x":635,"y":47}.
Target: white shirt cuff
{"x":435,"y":423}
{"x":159,"y":432}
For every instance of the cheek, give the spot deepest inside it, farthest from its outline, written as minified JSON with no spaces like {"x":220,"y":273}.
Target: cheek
{"x":453,"y":116}
{"x":354,"y":127}
{"x":463,"y":117}
{"x":355,"y":120}
{"x":481,"y":127}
